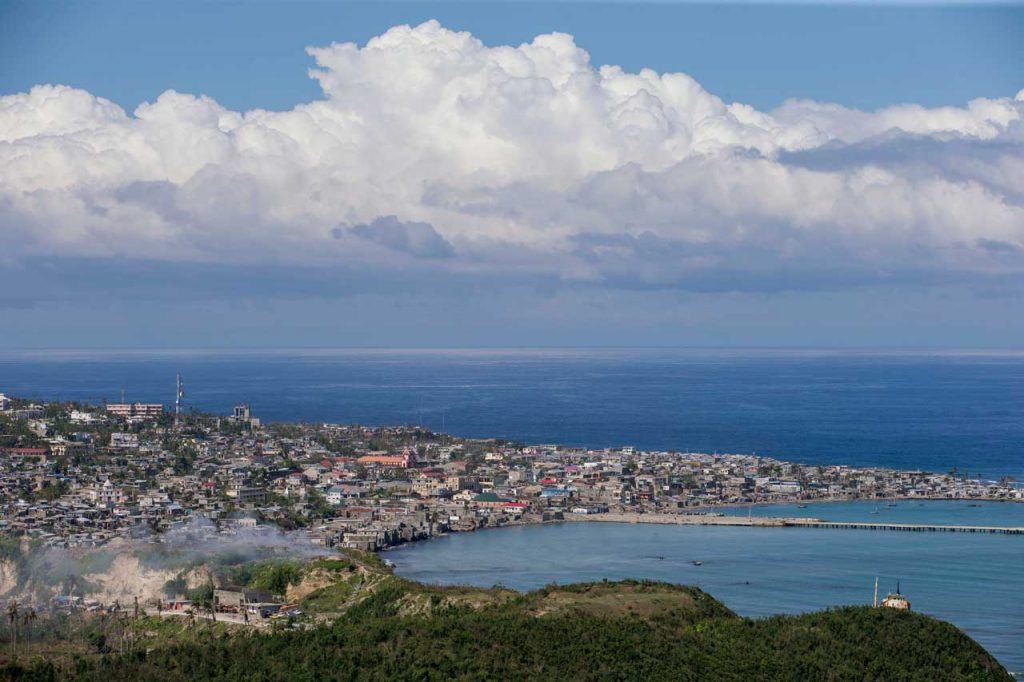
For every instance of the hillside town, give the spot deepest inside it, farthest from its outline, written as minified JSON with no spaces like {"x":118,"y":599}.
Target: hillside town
{"x":79,"y":475}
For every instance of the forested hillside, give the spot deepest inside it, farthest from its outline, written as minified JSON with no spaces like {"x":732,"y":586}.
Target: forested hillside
{"x":626,"y":630}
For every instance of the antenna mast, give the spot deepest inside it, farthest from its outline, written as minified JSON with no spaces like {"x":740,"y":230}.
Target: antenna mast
{"x":178,"y":395}
{"x":876,"y":592}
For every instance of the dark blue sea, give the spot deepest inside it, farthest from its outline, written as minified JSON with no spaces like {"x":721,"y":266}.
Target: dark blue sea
{"x":929,"y":410}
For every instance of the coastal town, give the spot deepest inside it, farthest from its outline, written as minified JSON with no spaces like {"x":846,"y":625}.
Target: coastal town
{"x":80,"y":475}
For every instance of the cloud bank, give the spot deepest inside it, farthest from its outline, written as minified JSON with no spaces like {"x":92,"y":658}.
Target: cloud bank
{"x":431,"y":153}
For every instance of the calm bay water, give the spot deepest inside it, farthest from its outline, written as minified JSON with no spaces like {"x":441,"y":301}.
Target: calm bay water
{"x":973,"y":581}
{"x":931,"y":410}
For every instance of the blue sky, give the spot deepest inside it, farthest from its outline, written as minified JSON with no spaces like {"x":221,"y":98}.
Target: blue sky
{"x":250,"y":54}
{"x":740,"y":174}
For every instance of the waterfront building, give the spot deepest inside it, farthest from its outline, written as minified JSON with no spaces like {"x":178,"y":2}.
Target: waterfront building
{"x":895,"y":600}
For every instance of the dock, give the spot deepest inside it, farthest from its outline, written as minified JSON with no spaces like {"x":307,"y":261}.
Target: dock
{"x":777,"y":522}
{"x":680,"y":519}
{"x":905,"y":527}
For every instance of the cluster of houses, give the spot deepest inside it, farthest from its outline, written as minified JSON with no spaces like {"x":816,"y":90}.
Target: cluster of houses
{"x":74,"y":474}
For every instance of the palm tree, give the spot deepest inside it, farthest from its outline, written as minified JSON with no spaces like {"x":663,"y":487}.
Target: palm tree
{"x":32,"y":615}
{"x":27,"y":617}
{"x":12,"y":615}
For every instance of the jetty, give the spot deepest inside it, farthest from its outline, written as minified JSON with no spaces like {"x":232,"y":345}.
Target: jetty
{"x":907,"y":527}
{"x":779,"y":522}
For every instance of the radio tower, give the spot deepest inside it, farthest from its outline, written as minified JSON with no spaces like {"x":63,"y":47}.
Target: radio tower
{"x":178,"y":395}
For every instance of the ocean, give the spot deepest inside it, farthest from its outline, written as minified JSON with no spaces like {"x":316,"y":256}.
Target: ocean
{"x":929,"y":410}
{"x":974,"y":581}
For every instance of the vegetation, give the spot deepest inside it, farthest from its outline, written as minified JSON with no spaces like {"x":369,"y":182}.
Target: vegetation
{"x":276,"y":576}
{"x":330,"y":599}
{"x":628,"y":630}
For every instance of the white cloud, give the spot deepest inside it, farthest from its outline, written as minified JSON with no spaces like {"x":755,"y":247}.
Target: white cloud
{"x":526,"y":161}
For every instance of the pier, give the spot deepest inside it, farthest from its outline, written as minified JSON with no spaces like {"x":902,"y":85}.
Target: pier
{"x":906,"y":527}
{"x":777,"y":522}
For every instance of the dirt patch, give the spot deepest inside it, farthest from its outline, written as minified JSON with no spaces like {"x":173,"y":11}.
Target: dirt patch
{"x":316,"y":579}
{"x":615,"y":601}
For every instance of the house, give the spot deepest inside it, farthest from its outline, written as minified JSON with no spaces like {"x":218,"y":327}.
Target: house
{"x":238,"y":599}
{"x":429,"y":486}
{"x":80,"y":417}
{"x":313,"y":473}
{"x":591,"y":509}
{"x":247,"y":494}
{"x":489,"y":501}
{"x":124,"y":440}
{"x":105,"y":494}
{"x":334,"y":495}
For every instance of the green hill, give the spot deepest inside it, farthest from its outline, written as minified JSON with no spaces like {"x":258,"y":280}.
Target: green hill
{"x":623,"y":630}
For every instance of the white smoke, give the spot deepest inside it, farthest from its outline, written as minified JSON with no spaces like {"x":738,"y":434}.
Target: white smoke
{"x":141,"y":564}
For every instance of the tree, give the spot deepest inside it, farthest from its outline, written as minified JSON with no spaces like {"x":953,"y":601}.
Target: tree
{"x":98,"y":641}
{"x":12,"y":615}
{"x":28,"y":619}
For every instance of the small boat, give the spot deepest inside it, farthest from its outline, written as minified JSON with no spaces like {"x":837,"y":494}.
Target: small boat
{"x":801,"y":506}
{"x":695,"y":562}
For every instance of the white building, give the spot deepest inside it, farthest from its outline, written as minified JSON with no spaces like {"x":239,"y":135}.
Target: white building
{"x":126,"y":410}
{"x":107,"y":493}
{"x":124,"y":440}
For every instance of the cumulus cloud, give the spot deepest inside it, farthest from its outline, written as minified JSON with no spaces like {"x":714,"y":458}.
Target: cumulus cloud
{"x":431,"y":151}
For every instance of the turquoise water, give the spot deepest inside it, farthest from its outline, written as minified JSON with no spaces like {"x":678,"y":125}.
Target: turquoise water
{"x":975,"y":581}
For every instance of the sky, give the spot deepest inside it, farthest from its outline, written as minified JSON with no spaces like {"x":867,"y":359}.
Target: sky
{"x":511,"y":174}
